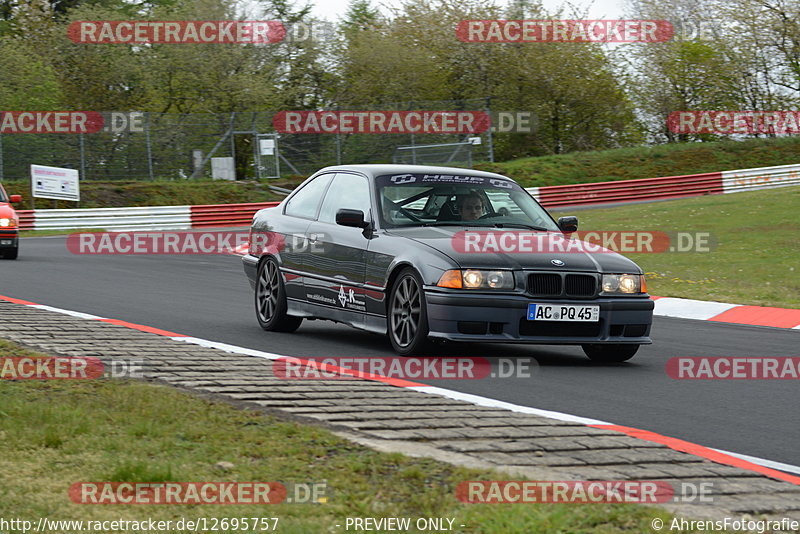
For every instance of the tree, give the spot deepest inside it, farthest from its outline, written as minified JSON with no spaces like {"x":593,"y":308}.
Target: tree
{"x":689,"y":72}
{"x":29,"y":83}
{"x":571,"y":88}
{"x":360,"y":16}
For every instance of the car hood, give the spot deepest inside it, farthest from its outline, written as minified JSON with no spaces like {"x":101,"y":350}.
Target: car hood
{"x":449,"y":240}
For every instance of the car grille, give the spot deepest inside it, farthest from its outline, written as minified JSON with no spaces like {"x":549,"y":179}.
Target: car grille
{"x":545,"y":285}
{"x":579,"y":285}
{"x":562,"y":285}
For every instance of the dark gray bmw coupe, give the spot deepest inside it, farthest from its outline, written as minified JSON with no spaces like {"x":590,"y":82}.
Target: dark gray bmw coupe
{"x":435,"y":253}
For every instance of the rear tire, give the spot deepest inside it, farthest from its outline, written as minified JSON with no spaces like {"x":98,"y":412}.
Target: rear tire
{"x":407,"y":315}
{"x":11,"y":253}
{"x":271,"y":300}
{"x":610,"y":353}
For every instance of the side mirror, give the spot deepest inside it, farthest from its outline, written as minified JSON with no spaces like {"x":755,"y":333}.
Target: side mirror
{"x":354,"y":218}
{"x":568,"y":224}
{"x":15,"y":198}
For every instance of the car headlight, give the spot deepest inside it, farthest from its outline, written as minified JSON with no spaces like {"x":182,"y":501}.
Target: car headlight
{"x":8,"y":222}
{"x":476,"y":279}
{"x":623,"y":284}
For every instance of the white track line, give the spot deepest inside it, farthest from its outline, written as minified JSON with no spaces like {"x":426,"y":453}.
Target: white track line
{"x":494,"y":403}
{"x":431,"y":390}
{"x":234,"y":349}
{"x":482,"y":401}
{"x":778,"y":466}
{"x":71,"y":313}
{"x":690,"y":309}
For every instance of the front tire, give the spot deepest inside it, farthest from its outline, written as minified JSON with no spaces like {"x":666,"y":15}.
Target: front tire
{"x":610,"y":353}
{"x":408,"y":314}
{"x":271,"y":300}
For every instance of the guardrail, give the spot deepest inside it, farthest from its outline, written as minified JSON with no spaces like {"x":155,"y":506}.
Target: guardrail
{"x":26,"y":219}
{"x":226,"y":214}
{"x":667,"y":187}
{"x":124,"y":219}
{"x":763,"y":178}
{"x":631,"y":190}
{"x":186,"y":217}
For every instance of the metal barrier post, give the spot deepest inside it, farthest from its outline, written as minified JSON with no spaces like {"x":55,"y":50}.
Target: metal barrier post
{"x":147,"y":143}
{"x":490,"y":139}
{"x":82,"y":175}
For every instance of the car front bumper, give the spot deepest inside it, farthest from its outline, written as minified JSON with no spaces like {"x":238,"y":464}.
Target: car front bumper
{"x":503,"y":319}
{"x":9,"y":238}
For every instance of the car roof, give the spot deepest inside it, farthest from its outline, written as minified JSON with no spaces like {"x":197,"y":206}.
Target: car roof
{"x":373,"y":170}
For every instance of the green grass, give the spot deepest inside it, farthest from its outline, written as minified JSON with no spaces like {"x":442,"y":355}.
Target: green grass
{"x":755,"y":257}
{"x":46,"y":233}
{"x":575,"y":167}
{"x":649,"y":162}
{"x":56,"y":433}
{"x":156,"y":193}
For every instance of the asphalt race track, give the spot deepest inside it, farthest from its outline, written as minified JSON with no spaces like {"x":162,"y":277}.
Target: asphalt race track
{"x":209,"y":297}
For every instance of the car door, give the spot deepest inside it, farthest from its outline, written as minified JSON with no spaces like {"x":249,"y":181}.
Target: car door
{"x":334,"y":265}
{"x":299,"y":212}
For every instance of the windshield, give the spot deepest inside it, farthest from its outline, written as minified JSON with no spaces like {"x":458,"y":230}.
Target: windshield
{"x":3,"y":195}
{"x":456,"y":200}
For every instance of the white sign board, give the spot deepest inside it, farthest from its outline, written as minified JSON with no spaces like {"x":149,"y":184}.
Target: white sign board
{"x":267,"y":147}
{"x":54,"y":182}
{"x":223,"y":169}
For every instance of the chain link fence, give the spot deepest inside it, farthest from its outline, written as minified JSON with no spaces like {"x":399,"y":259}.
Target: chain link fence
{"x":149,"y":146}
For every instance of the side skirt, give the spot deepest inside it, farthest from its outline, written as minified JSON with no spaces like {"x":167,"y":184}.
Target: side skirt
{"x":362,"y":321}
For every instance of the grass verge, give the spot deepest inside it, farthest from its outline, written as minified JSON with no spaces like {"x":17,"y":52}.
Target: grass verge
{"x":48,"y":233}
{"x":755,"y":249}
{"x":157,"y":193}
{"x":56,"y":433}
{"x":649,"y":162}
{"x":576,"y":167}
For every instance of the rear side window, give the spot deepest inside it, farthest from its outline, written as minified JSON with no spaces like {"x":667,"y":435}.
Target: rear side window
{"x":349,"y":191}
{"x":305,"y":202}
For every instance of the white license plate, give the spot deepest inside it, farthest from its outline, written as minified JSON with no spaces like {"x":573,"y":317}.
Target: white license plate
{"x":6,"y":241}
{"x":558,"y":312}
